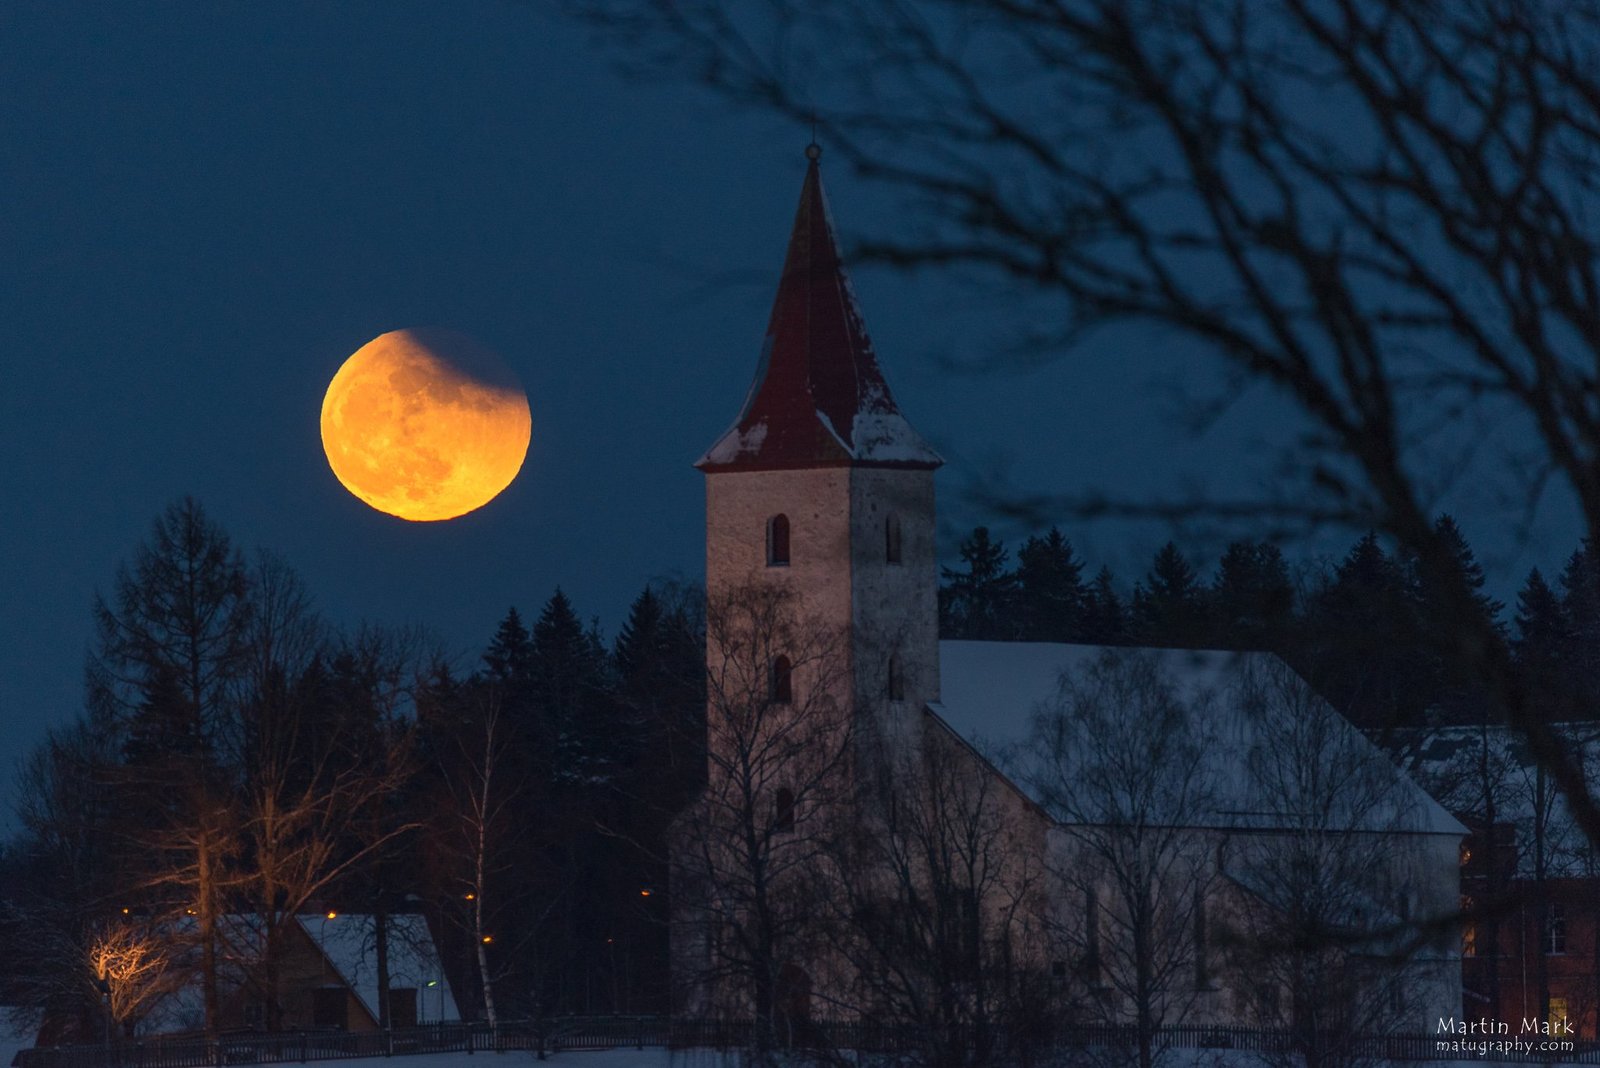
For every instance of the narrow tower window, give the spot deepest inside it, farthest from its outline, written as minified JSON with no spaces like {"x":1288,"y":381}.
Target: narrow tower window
{"x":783,"y":810}
{"x":782,"y":691}
{"x":891,"y":539}
{"x":778,"y":541}
{"x":897,"y":680}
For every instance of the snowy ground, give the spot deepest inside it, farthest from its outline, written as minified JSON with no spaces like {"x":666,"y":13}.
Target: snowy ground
{"x":699,"y":1058}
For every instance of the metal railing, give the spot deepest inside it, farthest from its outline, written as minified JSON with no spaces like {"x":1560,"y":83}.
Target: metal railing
{"x":640,"y":1032}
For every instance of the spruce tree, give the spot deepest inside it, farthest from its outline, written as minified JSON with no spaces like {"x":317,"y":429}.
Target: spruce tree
{"x":1170,"y":606}
{"x":1105,"y":620}
{"x":1050,"y":592}
{"x":1542,"y":649}
{"x":1252,"y":597}
{"x":978,"y":601}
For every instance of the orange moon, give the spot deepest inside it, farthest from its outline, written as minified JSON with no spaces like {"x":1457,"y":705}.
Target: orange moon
{"x":425,"y":424}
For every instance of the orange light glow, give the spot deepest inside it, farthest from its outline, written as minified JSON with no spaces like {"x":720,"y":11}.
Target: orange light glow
{"x":333,"y":915}
{"x":472,"y":897}
{"x":646,"y":892}
{"x":425,"y":424}
{"x":487,"y":939}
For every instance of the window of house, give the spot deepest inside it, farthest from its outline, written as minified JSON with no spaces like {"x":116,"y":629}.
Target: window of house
{"x":782,"y":686}
{"x":1555,"y":929}
{"x":897,"y":681}
{"x":891,"y":539}
{"x":328,"y":1007}
{"x":1091,"y":936}
{"x":783,"y":810}
{"x":1558,"y":1016}
{"x":778,"y":541}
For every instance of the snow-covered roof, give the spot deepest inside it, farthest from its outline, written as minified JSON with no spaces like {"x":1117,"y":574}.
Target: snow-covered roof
{"x":819,"y":395}
{"x":347,"y":941}
{"x":994,"y":693}
{"x":1485,"y":773}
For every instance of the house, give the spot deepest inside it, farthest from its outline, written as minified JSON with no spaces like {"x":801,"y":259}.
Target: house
{"x":1530,"y":877}
{"x":327,"y":977}
{"x":834,"y":708}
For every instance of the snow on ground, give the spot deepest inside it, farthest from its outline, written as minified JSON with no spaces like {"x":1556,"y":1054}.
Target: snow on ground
{"x":708,"y":1058}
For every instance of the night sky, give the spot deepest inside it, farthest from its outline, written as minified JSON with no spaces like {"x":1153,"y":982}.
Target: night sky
{"x":207,"y":208}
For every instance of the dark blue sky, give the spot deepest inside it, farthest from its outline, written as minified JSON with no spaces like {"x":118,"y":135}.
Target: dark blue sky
{"x":206,"y":208}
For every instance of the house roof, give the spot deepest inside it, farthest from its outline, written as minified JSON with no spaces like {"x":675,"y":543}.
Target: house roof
{"x":819,"y":397}
{"x":992,"y":694}
{"x":1476,"y":771}
{"x":347,"y":942}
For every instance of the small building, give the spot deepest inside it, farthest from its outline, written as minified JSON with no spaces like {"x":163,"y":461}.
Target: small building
{"x":327,"y":978}
{"x":1530,"y":877}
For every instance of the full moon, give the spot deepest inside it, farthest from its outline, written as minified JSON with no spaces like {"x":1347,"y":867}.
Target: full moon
{"x":425,"y":424}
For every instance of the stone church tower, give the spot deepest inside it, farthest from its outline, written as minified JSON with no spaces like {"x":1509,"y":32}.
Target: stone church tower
{"x":822,"y":487}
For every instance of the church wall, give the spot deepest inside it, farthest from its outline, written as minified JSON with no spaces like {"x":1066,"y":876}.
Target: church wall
{"x":894,"y":606}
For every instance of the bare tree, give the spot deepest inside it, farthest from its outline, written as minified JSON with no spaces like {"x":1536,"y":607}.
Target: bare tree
{"x":1338,"y":929}
{"x":941,"y":899}
{"x":1377,"y":209}
{"x":1119,"y":762}
{"x":136,"y":967}
{"x":749,"y":864}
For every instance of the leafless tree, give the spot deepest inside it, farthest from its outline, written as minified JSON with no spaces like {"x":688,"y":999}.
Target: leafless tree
{"x":941,"y":901}
{"x":1337,"y":930}
{"x":1378,"y":210}
{"x":1118,"y":760}
{"x":749,"y":864}
{"x":136,"y":966}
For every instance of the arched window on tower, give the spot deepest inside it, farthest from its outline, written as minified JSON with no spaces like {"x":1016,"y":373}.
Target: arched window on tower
{"x":897,"y":678}
{"x":778,"y":541}
{"x":891,"y":539}
{"x":781,"y":688}
{"x":783,"y":810}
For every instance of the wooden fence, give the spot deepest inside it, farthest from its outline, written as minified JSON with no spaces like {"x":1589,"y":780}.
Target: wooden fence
{"x":642,"y":1032}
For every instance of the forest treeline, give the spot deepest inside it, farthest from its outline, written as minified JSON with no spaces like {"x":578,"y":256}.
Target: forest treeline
{"x":1370,"y":631}
{"x":239,"y":755}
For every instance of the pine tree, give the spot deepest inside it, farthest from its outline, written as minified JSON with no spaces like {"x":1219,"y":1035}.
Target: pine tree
{"x":1362,"y":642}
{"x":1542,"y":649}
{"x":1050,"y":594}
{"x":1105,"y":620}
{"x":1444,"y":596}
{"x":979,"y":602}
{"x":1580,"y":600}
{"x":1252,"y":597}
{"x":570,"y":695}
{"x":1170,"y":606}
{"x":510,"y":654}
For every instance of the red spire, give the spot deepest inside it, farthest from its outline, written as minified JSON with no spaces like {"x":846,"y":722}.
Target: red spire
{"x":819,"y":397}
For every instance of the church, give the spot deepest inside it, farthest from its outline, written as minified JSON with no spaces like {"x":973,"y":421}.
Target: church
{"x":983,"y":835}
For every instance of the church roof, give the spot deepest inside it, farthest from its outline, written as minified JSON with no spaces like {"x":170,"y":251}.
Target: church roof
{"x":991,"y":694}
{"x":819,"y":397}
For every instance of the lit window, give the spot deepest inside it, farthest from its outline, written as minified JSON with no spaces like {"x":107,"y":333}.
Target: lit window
{"x":891,"y":539}
{"x":778,"y":541}
{"x":782,"y":687}
{"x":1558,"y":1016}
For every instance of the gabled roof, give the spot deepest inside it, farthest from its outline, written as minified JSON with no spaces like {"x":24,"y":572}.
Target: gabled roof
{"x":819,"y":397}
{"x":1473,"y":769}
{"x":991,"y":693}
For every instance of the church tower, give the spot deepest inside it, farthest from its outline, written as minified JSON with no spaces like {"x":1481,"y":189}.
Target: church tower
{"x":822,"y":487}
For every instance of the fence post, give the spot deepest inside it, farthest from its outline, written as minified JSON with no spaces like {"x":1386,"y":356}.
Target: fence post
{"x":302,"y":1047}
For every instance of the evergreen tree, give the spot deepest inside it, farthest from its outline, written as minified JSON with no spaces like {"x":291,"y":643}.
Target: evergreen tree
{"x":1580,"y":601}
{"x":1362,"y":640}
{"x":979,"y":601}
{"x":1444,"y":596}
{"x":1542,"y":649}
{"x":570,"y":691}
{"x":1105,"y":620}
{"x":1252,"y":597}
{"x":509,"y":657}
{"x":1170,"y":606}
{"x":1050,"y":592}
